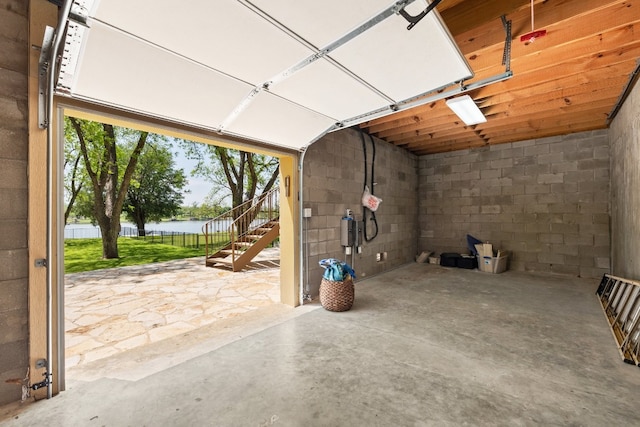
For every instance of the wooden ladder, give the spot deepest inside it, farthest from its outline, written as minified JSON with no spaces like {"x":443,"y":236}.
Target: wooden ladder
{"x":620,"y":300}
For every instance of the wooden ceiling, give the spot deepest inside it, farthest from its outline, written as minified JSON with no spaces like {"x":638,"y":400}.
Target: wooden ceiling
{"x":568,"y":81}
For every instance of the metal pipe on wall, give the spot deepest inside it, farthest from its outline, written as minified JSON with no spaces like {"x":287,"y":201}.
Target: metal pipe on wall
{"x":51,"y":80}
{"x":304,"y":294}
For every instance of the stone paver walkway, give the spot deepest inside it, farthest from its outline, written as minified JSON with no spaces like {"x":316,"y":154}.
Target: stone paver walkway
{"x":114,"y":310}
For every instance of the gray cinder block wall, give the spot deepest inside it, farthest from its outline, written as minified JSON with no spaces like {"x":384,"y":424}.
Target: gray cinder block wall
{"x":14,"y":331}
{"x":545,"y":200}
{"x":624,"y":135}
{"x":333,"y":182}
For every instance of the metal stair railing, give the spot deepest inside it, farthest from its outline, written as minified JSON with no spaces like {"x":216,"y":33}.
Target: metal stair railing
{"x":233,"y":228}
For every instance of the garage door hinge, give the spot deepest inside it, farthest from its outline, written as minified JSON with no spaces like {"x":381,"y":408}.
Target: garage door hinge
{"x":41,"y":262}
{"x":42,"y":363}
{"x":41,"y":384}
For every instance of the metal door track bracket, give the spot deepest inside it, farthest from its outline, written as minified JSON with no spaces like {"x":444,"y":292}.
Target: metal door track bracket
{"x":506,"y":54}
{"x":413,"y":20}
{"x":43,"y":72}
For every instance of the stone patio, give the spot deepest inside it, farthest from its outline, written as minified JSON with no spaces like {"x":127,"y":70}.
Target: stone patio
{"x":114,"y":310}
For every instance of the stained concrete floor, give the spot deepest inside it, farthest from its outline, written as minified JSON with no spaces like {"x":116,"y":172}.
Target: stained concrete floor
{"x":423,"y":345}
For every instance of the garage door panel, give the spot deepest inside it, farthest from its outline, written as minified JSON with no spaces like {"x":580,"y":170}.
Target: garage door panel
{"x":278,"y":121}
{"x":322,"y":22}
{"x":404,"y":63}
{"x":224,"y":35}
{"x":183,"y":91}
{"x":258,"y":69}
{"x":325,"y":88}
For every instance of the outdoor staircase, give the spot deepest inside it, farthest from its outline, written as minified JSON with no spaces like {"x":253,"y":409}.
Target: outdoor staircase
{"x":234,"y":238}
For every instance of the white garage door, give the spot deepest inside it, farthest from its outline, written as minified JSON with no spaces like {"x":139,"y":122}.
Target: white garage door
{"x":282,"y":72}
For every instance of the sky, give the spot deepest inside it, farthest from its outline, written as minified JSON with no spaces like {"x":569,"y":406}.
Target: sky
{"x":198,"y":186}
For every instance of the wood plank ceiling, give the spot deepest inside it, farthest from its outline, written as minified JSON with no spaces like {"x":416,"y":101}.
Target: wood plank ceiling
{"x":567,"y":81}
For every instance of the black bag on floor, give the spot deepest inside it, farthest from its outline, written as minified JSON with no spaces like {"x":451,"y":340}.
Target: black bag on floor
{"x":468,"y":262}
{"x":449,"y":259}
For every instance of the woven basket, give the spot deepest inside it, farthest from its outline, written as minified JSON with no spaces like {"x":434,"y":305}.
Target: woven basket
{"x":336,"y":296}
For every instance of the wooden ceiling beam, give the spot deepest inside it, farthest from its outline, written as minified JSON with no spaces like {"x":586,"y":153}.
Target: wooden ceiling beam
{"x":583,"y":34}
{"x":547,"y":14}
{"x":544,"y":80}
{"x":443,"y":120}
{"x":507,"y":138}
{"x":594,"y":115}
{"x":624,"y":56}
{"x":467,"y":15}
{"x":567,"y":81}
{"x":582,"y":113}
{"x":542,"y":133}
{"x":550,"y":102}
{"x":544,"y":68}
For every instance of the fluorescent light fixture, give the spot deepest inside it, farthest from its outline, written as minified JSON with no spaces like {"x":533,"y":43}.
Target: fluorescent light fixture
{"x":467,"y":110}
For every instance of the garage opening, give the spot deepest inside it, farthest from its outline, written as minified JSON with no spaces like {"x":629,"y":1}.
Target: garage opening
{"x":125,"y":308}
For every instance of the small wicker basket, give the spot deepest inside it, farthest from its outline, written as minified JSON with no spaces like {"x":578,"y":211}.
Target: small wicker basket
{"x":337,"y":296}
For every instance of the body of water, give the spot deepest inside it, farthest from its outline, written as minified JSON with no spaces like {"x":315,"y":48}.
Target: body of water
{"x":87,"y":231}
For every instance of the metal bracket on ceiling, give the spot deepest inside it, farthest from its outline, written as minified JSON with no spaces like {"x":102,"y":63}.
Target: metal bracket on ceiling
{"x":80,"y":11}
{"x":633,"y":79}
{"x":506,"y":54}
{"x":413,"y":20}
{"x":43,"y":72}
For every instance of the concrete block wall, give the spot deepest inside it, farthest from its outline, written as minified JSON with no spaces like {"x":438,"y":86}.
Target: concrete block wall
{"x":545,"y":200}
{"x":14,"y":332}
{"x":333,"y":182}
{"x":624,"y":135}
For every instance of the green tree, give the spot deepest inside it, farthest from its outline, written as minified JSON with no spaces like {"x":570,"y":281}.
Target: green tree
{"x":243,"y":175}
{"x":110,"y":155}
{"x":155,"y":191}
{"x":75,"y":177}
{"x":239,"y":174}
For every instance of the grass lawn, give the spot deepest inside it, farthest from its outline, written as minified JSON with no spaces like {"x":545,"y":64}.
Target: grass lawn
{"x":86,"y":254}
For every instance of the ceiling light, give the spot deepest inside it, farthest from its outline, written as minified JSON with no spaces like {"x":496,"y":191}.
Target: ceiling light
{"x":467,"y":110}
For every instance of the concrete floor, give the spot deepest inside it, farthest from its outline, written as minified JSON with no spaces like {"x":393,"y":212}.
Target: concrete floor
{"x":423,"y":345}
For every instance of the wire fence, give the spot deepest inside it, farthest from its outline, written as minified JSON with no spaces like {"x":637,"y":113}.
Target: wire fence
{"x":173,"y":238}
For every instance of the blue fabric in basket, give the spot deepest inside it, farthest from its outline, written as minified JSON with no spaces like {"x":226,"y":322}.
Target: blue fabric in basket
{"x":336,"y":270}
